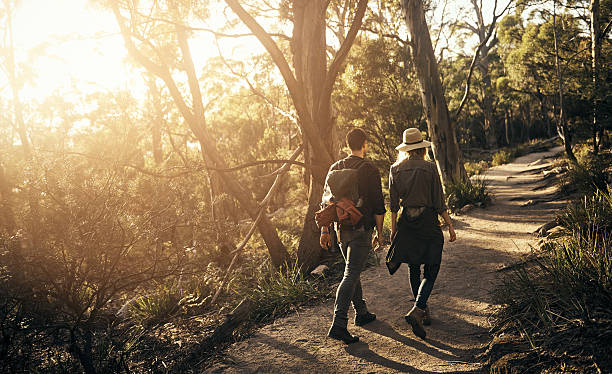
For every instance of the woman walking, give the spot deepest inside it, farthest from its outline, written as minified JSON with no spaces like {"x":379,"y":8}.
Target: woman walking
{"x":417,"y":239}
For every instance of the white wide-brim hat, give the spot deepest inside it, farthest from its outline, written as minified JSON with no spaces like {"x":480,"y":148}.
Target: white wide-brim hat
{"x":413,"y":139}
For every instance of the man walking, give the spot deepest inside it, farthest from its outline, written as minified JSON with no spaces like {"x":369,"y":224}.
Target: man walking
{"x":356,"y":240}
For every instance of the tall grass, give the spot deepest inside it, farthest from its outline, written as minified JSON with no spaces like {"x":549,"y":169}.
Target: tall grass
{"x":280,"y":291}
{"x":560,"y":303}
{"x":465,"y":192}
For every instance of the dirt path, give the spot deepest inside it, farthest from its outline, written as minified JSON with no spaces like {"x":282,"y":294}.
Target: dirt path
{"x":487,"y":240}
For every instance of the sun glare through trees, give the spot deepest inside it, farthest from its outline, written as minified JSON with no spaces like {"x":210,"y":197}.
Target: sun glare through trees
{"x":162,"y":163}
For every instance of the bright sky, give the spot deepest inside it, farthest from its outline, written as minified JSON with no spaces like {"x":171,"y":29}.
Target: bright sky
{"x":85,"y":52}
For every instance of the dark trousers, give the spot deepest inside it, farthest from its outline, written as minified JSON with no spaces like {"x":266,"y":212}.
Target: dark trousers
{"x":421,"y":289}
{"x":355,"y":247}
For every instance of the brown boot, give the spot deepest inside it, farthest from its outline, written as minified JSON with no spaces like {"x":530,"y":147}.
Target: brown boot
{"x":415,"y":319}
{"x":427,"y":317}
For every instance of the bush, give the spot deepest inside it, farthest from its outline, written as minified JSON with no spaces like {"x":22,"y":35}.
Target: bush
{"x":476,"y":168}
{"x":588,"y":216}
{"x":279,"y":292}
{"x":467,"y":192}
{"x":587,"y":175}
{"x":507,"y":155}
{"x":559,"y":303}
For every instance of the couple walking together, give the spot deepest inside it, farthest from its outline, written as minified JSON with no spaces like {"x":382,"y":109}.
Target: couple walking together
{"x":416,"y":238}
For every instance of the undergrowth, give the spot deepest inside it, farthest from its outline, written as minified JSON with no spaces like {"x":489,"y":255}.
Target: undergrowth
{"x":558,"y":304}
{"x":466,"y":192}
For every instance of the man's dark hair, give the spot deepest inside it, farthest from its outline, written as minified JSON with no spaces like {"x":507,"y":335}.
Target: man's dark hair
{"x":355,"y":139}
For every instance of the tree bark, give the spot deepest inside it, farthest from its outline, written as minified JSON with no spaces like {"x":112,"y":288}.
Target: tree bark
{"x":562,"y":127}
{"x":195,"y":119}
{"x":441,"y":129}
{"x":157,"y":118}
{"x":596,"y":57}
{"x":310,"y":88}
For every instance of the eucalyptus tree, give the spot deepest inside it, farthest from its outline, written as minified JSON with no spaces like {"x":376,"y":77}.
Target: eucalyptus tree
{"x":310,"y":77}
{"x":156,"y":35}
{"x":441,"y":127}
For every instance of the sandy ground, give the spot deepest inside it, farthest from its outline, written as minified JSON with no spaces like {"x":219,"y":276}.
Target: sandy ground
{"x":461,"y":301}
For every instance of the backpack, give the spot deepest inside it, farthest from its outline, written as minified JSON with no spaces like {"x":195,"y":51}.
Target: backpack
{"x":341,"y":197}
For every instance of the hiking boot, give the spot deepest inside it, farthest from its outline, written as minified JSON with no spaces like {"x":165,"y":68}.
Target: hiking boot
{"x":364,"y":319}
{"x":415,"y":319}
{"x":340,"y":333}
{"x":427,"y":317}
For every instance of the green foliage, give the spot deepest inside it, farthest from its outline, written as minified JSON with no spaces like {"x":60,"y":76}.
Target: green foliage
{"x":589,"y":174}
{"x":507,"y":155}
{"x":476,"y":167}
{"x":467,"y":192}
{"x":589,"y":217}
{"x":561,"y":299}
{"x":279,"y":292}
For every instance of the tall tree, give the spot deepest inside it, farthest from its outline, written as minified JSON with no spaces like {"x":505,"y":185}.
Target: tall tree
{"x":562,"y":126}
{"x":441,"y":129}
{"x":194,"y":115}
{"x":486,"y":42}
{"x":596,"y":64}
{"x":310,"y":85}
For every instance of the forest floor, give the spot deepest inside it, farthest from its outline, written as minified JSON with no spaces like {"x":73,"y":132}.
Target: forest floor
{"x":487,"y":240}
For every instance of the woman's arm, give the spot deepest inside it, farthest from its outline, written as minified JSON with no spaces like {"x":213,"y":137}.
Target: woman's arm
{"x":393,"y":225}
{"x":449,"y":223}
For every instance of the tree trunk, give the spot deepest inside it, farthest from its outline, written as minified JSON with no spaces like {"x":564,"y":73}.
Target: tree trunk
{"x":507,"y":126}
{"x":596,"y":57}
{"x":157,"y":118}
{"x":194,"y":117}
{"x":441,"y":130}
{"x":489,"y":118}
{"x":310,"y":88}
{"x":562,"y":127}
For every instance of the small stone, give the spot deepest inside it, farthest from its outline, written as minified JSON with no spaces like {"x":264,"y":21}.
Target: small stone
{"x":319,"y":270}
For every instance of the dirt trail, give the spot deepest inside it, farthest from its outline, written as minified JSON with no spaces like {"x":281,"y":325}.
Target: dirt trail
{"x":461,"y":302}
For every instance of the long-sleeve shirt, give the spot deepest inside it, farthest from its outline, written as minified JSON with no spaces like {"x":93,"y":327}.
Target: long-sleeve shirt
{"x":370,"y":188}
{"x":414,"y":184}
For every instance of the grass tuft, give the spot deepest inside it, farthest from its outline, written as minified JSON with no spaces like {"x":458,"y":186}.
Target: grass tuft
{"x":558,"y":304}
{"x":279,"y":292}
{"x":467,"y":192}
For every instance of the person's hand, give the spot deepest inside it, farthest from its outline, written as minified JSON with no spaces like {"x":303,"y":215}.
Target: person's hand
{"x":451,"y":231}
{"x":325,"y":240}
{"x":377,"y":242}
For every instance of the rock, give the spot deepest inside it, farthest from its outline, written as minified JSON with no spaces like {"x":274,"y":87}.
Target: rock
{"x":530,"y":203}
{"x":320,"y":270}
{"x":543,"y":230}
{"x":466,"y":209}
{"x":537,"y":162}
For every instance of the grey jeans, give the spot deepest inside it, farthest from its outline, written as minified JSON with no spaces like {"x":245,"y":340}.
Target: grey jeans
{"x":355,"y":247}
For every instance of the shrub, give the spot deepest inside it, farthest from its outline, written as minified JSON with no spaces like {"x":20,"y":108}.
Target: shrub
{"x":501,"y":157}
{"x":467,"y":192}
{"x":507,"y":155}
{"x":559,"y":303}
{"x":587,"y":175}
{"x":588,"y":216}
{"x":476,"y":168}
{"x":278,"y":292}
